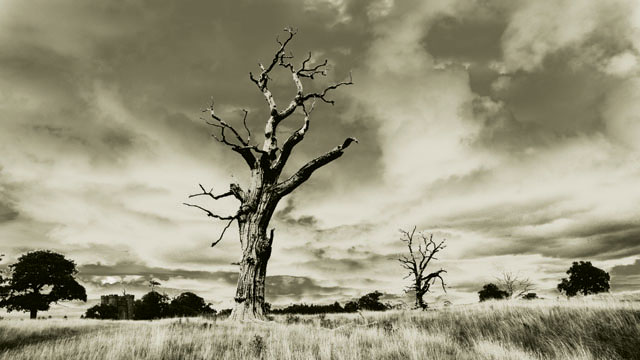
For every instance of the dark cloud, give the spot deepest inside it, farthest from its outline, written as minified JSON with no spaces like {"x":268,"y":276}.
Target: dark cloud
{"x":163,"y":274}
{"x":7,"y":211}
{"x":501,"y":218}
{"x":469,"y":286}
{"x":626,"y":277}
{"x":280,"y":288}
{"x":536,"y":108}
{"x":597,"y":240}
{"x":285,"y":216}
{"x":474,"y":38}
{"x":294,"y":288}
{"x":625,"y":270}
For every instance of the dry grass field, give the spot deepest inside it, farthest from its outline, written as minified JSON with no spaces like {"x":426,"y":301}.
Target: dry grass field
{"x":498,"y":330}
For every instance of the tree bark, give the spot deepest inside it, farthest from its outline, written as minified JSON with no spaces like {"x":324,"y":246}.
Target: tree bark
{"x":33,"y":314}
{"x":256,"y":251}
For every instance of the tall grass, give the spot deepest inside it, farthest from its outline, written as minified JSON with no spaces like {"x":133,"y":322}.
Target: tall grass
{"x":500,"y":330}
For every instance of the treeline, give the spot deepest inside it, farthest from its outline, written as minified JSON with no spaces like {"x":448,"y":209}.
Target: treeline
{"x":369,"y":302}
{"x":155,"y":305}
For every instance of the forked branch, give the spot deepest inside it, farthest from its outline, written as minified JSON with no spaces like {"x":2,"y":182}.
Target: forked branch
{"x":305,"y":172}
{"x":243,"y":147}
{"x":219,"y":217}
{"x":234,"y":189}
{"x":210,"y":193}
{"x":306,"y":70}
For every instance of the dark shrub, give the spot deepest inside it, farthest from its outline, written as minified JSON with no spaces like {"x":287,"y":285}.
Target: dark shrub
{"x":492,"y":291}
{"x":102,"y":311}
{"x":189,"y":304}
{"x":153,"y":305}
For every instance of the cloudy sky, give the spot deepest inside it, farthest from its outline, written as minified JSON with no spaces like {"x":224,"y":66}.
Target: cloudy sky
{"x":510,"y":128}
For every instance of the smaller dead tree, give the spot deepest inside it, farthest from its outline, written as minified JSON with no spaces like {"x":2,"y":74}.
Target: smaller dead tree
{"x":417,"y":261}
{"x":515,"y":285}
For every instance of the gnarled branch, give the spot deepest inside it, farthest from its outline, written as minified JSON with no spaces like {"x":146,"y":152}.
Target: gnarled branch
{"x":211,"y":214}
{"x":431,"y":278}
{"x":293,"y":140}
{"x":305,"y":172}
{"x":210,"y":193}
{"x":244,"y":148}
{"x":234,"y":189}
{"x":306,"y":70}
{"x":263,"y":79}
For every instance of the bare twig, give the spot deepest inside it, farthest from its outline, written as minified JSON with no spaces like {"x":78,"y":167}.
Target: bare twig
{"x":210,"y":193}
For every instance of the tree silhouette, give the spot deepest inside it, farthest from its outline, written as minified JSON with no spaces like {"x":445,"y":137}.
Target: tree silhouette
{"x":152,"y":305}
{"x":351,"y":306}
{"x":102,"y":311}
{"x":153,"y":283}
{"x":189,"y":304}
{"x":40,"y":278}
{"x":492,"y":291}
{"x":585,"y":279}
{"x":258,"y":202}
{"x":514,"y":284}
{"x":417,"y":262}
{"x":371,"y":301}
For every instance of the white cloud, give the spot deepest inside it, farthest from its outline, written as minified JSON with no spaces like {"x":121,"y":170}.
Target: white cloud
{"x":623,"y":64}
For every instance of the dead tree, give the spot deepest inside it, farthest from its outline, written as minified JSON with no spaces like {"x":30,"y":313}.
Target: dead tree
{"x":265,"y":189}
{"x":417,"y":261}
{"x":514,"y":284}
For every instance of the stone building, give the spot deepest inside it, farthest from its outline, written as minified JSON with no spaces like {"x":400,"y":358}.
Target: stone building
{"x":124,"y":304}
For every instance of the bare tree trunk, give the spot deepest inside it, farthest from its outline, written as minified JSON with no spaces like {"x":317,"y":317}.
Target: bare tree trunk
{"x":33,"y":314}
{"x":259,"y":201}
{"x":249,"y":299}
{"x":256,"y":251}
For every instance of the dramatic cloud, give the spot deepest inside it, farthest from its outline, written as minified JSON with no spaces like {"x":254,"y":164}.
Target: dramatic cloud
{"x":510,"y":128}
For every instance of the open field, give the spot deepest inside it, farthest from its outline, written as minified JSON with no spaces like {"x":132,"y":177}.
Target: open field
{"x":499,"y":330}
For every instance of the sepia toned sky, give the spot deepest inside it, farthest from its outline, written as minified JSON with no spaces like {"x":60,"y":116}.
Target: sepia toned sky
{"x":510,"y":128}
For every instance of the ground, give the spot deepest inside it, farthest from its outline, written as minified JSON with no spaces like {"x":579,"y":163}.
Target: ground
{"x":518,"y":329}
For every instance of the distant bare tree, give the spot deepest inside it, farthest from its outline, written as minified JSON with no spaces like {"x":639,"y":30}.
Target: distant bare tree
{"x":514,"y":284}
{"x":258,"y":202}
{"x":417,"y":262}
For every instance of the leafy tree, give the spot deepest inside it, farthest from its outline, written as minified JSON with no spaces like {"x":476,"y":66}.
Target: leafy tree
{"x":102,"y":311}
{"x":310,"y":309}
{"x":40,"y":278}
{"x":153,"y":305}
{"x":371,"y":301}
{"x":351,"y":306}
{"x":584,"y":278}
{"x":492,"y":291}
{"x":189,"y":304}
